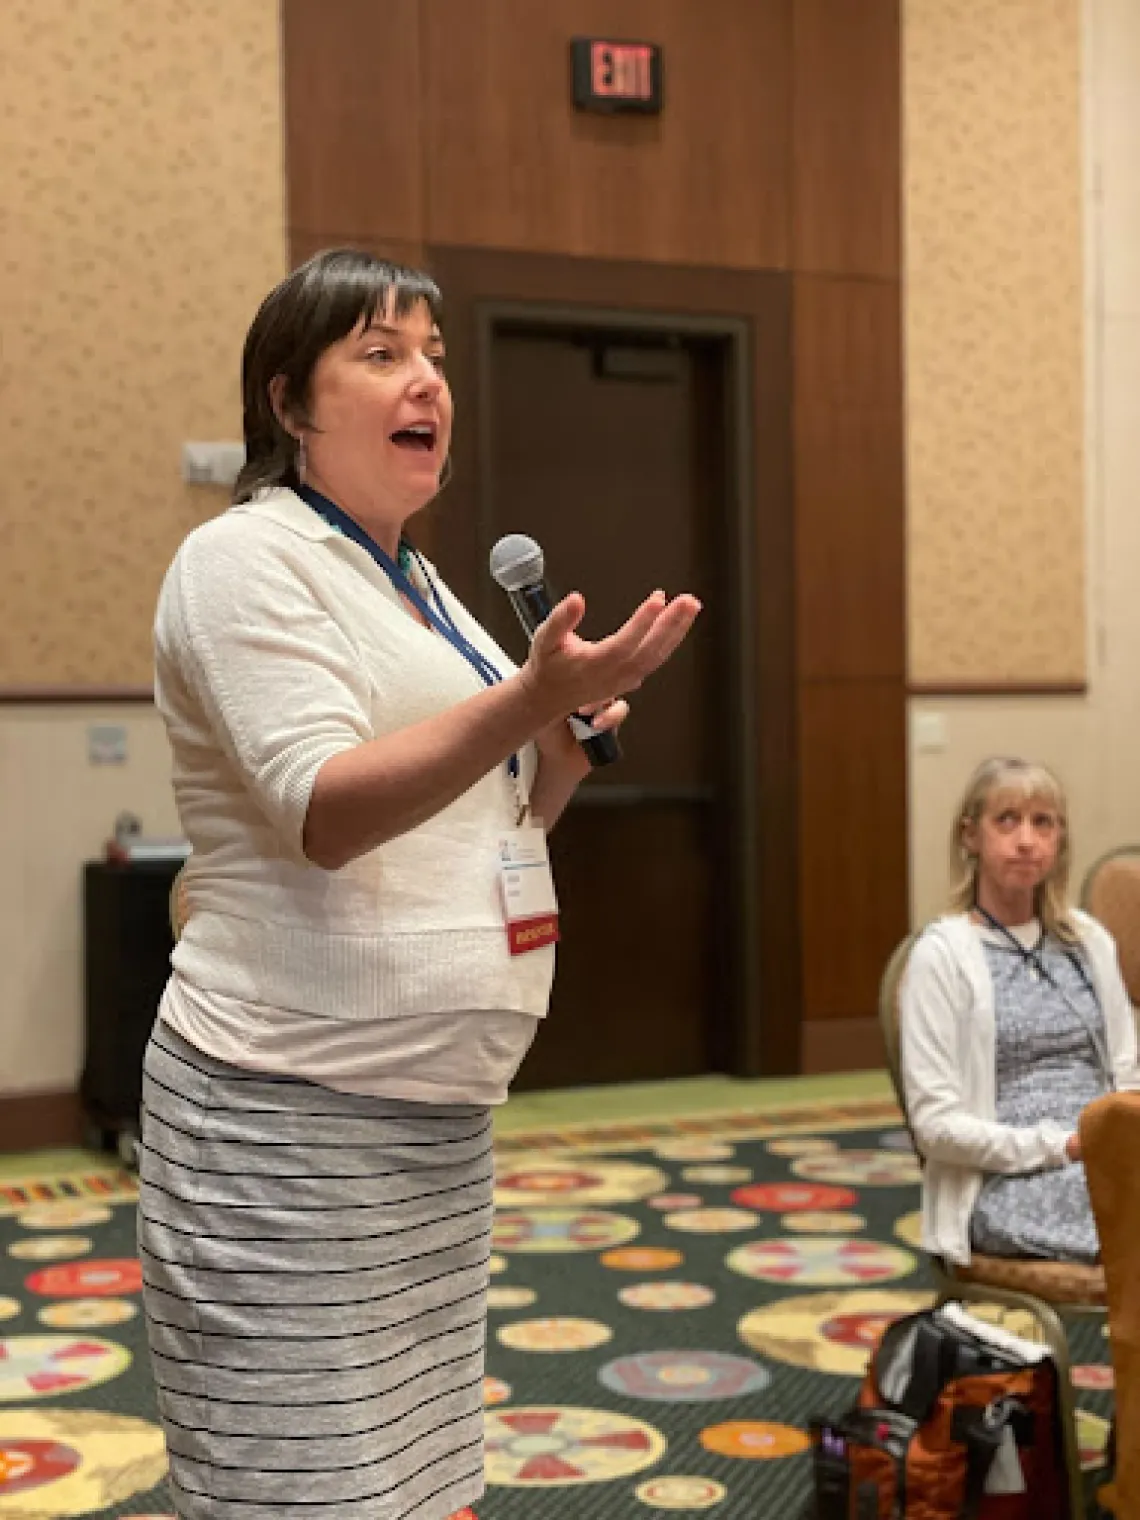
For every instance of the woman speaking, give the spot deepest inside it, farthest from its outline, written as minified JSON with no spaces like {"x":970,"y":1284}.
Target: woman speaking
{"x":357,"y":767}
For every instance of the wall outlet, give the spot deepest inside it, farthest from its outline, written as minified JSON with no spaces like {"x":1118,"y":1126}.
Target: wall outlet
{"x":212,"y":464}
{"x":106,"y":744}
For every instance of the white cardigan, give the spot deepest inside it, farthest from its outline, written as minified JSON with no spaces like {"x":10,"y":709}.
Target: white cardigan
{"x":948,"y":1065}
{"x":278,"y":644}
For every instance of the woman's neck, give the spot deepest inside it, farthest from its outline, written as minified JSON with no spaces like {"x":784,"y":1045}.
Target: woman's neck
{"x":1008,"y":908}
{"x":375,"y":518}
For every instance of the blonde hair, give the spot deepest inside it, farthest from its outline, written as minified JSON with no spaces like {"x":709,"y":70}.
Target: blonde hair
{"x":1023,"y":780}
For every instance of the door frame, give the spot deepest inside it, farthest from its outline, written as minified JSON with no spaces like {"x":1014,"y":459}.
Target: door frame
{"x":731,"y":337}
{"x":477,"y":283}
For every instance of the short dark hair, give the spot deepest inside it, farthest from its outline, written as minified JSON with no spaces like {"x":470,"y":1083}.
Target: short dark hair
{"x":316,"y":306}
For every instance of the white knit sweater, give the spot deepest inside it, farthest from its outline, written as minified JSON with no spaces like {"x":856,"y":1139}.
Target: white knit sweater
{"x":279,"y":643}
{"x":948,"y":1043}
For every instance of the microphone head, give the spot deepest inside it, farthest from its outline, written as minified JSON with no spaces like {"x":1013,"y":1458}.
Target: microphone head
{"x":516,"y":561}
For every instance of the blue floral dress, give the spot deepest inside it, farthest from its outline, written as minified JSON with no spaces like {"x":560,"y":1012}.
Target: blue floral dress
{"x":1048,"y":1067}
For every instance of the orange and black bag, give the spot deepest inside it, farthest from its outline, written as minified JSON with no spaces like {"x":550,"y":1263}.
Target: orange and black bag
{"x":955,"y":1421}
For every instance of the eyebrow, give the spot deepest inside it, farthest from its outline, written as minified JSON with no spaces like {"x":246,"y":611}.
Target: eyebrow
{"x":396,"y":332}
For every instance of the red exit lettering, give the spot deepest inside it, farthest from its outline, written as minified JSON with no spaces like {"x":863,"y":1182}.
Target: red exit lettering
{"x":621,"y":72}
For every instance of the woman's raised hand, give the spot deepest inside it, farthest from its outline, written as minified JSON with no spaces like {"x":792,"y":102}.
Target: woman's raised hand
{"x":566,"y":673}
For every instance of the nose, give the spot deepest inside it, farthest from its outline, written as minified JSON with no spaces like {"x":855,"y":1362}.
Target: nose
{"x":426,"y":380}
{"x":1025,"y":835}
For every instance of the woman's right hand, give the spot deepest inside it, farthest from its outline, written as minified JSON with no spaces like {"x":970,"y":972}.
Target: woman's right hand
{"x":566,"y":673}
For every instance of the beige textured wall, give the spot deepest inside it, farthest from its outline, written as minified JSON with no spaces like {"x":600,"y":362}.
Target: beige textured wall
{"x":56,"y":811}
{"x":143,"y":219}
{"x":993,"y":229}
{"x":1094,"y":740}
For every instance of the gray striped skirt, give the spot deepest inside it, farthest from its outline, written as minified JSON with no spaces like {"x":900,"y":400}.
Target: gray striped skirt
{"x":315,"y":1281}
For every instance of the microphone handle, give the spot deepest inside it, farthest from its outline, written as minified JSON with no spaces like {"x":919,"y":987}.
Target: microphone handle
{"x":533,"y":606}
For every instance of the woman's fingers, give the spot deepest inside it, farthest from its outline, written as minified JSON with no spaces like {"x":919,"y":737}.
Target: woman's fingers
{"x":617,"y":664}
{"x":608,"y":716}
{"x":562,"y":621}
{"x":623,"y":645}
{"x":667,"y":633}
{"x":647,"y":639}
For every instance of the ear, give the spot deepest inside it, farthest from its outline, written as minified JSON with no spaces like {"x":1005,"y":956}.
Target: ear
{"x":968,"y":837}
{"x":277,"y":392}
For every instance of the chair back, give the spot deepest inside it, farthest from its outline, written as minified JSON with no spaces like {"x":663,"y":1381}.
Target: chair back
{"x":179,"y":909}
{"x":1110,"y":1138}
{"x":1111,"y":893}
{"x":890,"y":1016}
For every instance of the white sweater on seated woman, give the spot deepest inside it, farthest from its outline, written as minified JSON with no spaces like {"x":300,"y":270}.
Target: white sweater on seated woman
{"x":280,"y":643}
{"x":947,"y":1047}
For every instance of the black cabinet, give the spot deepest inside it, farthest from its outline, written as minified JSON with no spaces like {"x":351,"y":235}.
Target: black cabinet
{"x":127,"y":946}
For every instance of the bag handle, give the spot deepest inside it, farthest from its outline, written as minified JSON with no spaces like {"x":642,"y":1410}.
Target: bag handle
{"x":984,"y":1438}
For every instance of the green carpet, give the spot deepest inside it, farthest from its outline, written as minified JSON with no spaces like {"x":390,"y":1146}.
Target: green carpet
{"x":672,"y":1298}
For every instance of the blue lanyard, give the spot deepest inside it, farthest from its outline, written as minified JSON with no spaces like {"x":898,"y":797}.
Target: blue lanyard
{"x":434,"y":611}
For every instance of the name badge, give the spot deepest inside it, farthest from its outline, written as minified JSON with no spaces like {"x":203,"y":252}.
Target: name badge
{"x":529,"y":904}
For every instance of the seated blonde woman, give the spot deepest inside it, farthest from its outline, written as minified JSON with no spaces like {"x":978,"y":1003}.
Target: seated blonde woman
{"x":1014,"y":1017}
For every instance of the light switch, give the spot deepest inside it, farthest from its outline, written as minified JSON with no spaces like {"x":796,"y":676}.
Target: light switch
{"x":929,"y":732}
{"x":212,"y":464}
{"x":106,"y":744}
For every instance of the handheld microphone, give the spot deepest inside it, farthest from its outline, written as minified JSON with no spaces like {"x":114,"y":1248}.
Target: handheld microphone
{"x":517,"y":565}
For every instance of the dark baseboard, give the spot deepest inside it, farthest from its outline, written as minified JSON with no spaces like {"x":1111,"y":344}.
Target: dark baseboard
{"x":834,"y":1045}
{"x":997,"y":689}
{"x":31,"y":1121}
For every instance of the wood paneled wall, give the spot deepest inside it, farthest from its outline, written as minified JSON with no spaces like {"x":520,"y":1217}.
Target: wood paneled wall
{"x":442,"y":131}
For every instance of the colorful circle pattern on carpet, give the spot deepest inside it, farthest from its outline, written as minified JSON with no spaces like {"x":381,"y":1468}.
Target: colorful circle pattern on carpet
{"x":754,"y":1440}
{"x":555,"y":1334}
{"x":826,"y":1332}
{"x":717,"y":1176}
{"x":711,"y":1221}
{"x":553,"y":1230}
{"x":669,"y":1202}
{"x":793,"y":1197}
{"x":681,"y":1492}
{"x":1094,"y":1377}
{"x":27,"y":1464}
{"x":823,"y":1224}
{"x":802,"y":1145}
{"x":87,"y":1313}
{"x":821,"y":1261}
{"x":510,"y":1298}
{"x":860,"y":1168}
{"x":592,"y":1182}
{"x":641,"y":1259}
{"x":908,"y":1228}
{"x":695,"y":1150}
{"x":63,"y":1215}
{"x":547,"y":1446}
{"x":684,"y":1377}
{"x":41,"y":1366}
{"x":49,"y":1247}
{"x":76,"y":1461}
{"x":666,"y":1296}
{"x":89,"y":1279}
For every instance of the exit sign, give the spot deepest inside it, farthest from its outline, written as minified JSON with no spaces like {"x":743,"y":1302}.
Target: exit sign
{"x":616,"y":76}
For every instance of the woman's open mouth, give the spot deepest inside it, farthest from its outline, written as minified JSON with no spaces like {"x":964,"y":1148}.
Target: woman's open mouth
{"x":420,"y":435}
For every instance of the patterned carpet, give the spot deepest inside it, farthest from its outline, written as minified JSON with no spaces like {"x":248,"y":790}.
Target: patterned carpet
{"x":671,"y":1301}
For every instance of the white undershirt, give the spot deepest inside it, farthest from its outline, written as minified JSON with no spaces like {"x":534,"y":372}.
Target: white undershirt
{"x":1027,"y":935}
{"x":422,"y":1058}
